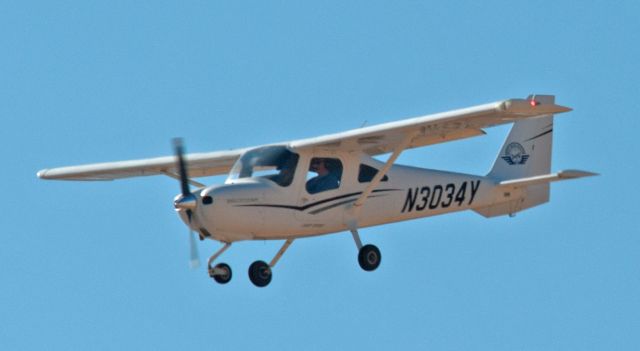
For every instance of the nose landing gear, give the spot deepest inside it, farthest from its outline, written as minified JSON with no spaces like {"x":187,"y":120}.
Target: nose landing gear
{"x":221,"y":273}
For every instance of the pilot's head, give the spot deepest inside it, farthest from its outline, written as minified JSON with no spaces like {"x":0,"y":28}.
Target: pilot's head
{"x":319,"y":165}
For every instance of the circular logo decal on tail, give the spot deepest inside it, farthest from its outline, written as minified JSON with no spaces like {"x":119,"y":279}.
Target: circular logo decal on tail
{"x":514,"y":154}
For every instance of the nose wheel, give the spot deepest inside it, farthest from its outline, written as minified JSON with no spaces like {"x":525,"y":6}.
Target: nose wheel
{"x":221,"y":273}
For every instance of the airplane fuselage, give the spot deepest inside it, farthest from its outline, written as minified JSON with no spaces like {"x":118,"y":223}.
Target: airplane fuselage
{"x":258,"y":209}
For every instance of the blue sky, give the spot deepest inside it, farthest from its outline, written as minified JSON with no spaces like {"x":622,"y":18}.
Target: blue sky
{"x":104,"y":265}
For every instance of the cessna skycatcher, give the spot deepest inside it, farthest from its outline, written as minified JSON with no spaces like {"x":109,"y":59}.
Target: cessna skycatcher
{"x":332,"y":183}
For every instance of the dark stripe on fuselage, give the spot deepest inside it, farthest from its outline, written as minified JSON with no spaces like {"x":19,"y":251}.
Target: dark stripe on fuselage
{"x":313,"y":204}
{"x":322,"y":209}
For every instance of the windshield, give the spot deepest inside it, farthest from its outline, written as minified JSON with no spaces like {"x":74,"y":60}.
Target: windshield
{"x":275,"y":163}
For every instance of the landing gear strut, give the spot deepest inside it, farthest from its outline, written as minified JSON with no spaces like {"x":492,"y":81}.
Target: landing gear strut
{"x":260,"y":272}
{"x":369,"y":256}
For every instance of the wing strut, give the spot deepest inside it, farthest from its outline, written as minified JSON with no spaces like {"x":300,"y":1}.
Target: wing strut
{"x":357,"y":206}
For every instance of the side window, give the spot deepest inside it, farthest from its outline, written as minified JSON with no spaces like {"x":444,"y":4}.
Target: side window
{"x":324,"y":174}
{"x":367,"y":173}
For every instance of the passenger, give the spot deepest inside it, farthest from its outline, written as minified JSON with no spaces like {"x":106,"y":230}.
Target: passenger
{"x":326,"y":179}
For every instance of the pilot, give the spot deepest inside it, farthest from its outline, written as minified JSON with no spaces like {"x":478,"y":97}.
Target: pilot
{"x":285,"y":177}
{"x":286,"y":170}
{"x":326,"y":179}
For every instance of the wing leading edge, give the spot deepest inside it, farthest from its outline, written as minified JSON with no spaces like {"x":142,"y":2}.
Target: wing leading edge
{"x":200,"y":165}
{"x":373,"y":140}
{"x":433,"y":129}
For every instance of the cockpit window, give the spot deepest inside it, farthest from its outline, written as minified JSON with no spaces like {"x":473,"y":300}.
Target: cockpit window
{"x":275,"y":163}
{"x":367,"y":173}
{"x":324,"y":174}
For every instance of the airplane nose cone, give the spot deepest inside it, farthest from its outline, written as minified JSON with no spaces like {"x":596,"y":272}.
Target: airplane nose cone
{"x":187,"y":202}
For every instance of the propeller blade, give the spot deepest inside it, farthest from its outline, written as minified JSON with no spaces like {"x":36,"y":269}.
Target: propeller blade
{"x":187,"y":201}
{"x":182,"y":168}
{"x":193,"y":251}
{"x":194,"y":257}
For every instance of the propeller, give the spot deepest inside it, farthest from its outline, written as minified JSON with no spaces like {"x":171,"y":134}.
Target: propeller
{"x":186,"y":200}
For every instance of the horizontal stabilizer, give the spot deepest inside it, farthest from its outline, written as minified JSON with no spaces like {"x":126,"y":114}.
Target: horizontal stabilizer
{"x":523,"y":193}
{"x":547,"y":178}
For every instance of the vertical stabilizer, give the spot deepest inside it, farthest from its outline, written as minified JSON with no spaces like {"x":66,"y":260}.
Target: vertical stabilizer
{"x":526,"y":153}
{"x":527,"y":150}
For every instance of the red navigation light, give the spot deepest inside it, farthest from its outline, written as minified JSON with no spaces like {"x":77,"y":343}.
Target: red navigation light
{"x":534,"y":103}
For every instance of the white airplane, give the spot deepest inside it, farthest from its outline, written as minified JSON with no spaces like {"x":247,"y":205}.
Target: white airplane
{"x":331,"y":183}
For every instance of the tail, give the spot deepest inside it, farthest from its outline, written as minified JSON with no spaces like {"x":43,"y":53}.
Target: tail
{"x":522,"y":168}
{"x":527,"y":150}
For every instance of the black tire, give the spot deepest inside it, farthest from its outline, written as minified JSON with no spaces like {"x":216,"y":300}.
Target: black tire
{"x":260,"y":274}
{"x":225,"y":277}
{"x":369,"y":258}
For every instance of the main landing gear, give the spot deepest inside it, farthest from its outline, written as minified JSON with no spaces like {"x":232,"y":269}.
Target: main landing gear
{"x":260,"y":273}
{"x":369,"y":256}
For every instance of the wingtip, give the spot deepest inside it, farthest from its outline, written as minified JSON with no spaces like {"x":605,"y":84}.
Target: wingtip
{"x":561,"y":109}
{"x":529,"y":107}
{"x":576,"y":173}
{"x":42,"y":174}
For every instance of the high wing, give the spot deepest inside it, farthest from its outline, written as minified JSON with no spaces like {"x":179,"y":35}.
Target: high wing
{"x":199,"y":165}
{"x":433,"y":129}
{"x":373,"y":140}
